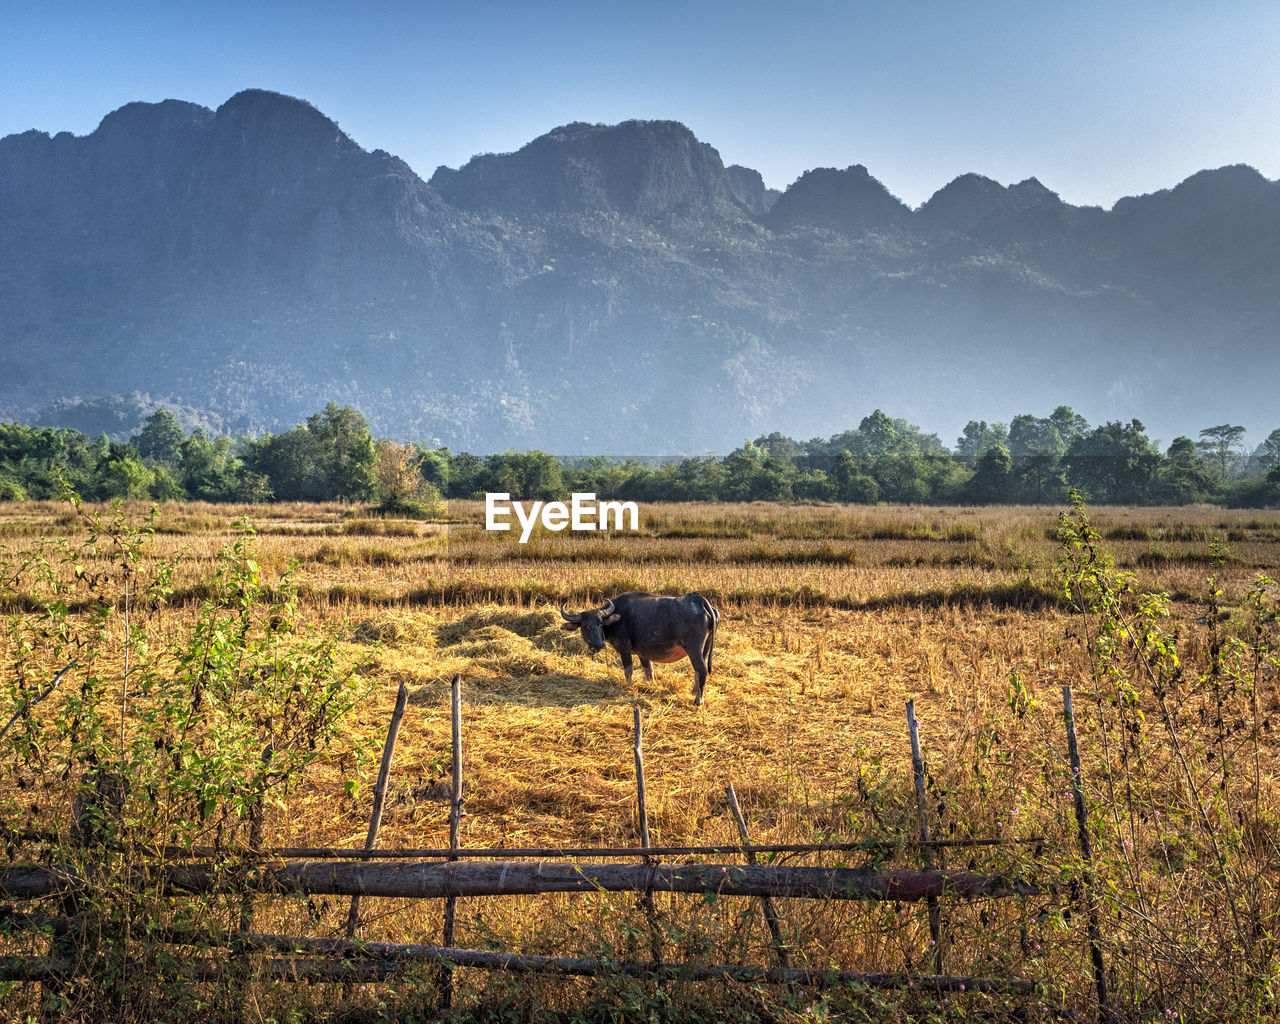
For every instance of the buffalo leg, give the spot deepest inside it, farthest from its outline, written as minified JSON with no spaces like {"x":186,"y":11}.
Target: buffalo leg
{"x":699,"y":673}
{"x":624,"y":652}
{"x":647,"y":665}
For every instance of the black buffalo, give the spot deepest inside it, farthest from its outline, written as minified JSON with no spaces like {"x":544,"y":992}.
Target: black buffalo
{"x":653,"y":628}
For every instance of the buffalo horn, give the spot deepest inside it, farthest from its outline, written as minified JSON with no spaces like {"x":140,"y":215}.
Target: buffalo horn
{"x":566,"y":616}
{"x":607,"y":610}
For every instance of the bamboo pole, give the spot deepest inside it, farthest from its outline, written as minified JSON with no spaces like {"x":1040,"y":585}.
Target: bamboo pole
{"x":922,"y":803}
{"x":766,"y":903}
{"x":445,"y":981}
{"x":650,"y":911}
{"x":1086,"y":850}
{"x":379,"y":795}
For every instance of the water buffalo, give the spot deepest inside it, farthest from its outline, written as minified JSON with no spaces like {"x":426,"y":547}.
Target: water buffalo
{"x":653,"y":628}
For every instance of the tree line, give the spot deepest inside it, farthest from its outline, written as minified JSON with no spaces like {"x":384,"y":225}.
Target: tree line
{"x":334,"y":456}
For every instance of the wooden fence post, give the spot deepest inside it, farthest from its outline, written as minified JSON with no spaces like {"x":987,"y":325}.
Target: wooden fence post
{"x":379,"y":795}
{"x":650,"y":911}
{"x":766,"y":902}
{"x":241,"y":971}
{"x":256,"y":814}
{"x":95,"y":815}
{"x":1086,"y":850}
{"x":917,"y":768}
{"x":445,"y":982}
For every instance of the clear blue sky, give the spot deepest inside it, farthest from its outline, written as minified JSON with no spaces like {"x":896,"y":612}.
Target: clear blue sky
{"x":1096,"y":99}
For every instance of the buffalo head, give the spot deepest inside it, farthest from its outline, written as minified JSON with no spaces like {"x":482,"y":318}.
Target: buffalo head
{"x":591,"y":623}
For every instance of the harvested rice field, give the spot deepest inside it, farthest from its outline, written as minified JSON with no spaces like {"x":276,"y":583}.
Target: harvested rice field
{"x":832,"y":618}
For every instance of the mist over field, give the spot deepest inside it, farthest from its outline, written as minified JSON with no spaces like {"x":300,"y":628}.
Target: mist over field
{"x":608,"y":288}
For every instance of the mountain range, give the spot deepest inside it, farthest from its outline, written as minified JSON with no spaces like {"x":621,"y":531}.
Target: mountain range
{"x":608,"y":288}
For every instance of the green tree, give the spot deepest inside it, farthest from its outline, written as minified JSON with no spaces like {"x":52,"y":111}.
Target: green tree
{"x":1115,"y":463}
{"x":692,"y":479}
{"x":1257,"y":492}
{"x":810,"y":484}
{"x":288,"y":461}
{"x":843,"y":471}
{"x":1040,"y":480}
{"x":434,"y":465}
{"x":203,"y":466}
{"x":120,"y":473}
{"x":345,"y":455}
{"x":944,"y":477}
{"x":1185,"y":478}
{"x":1031,"y":435}
{"x":1218,"y":443}
{"x":465,"y":475}
{"x":752,"y":474}
{"x":850,"y":483}
{"x":330,"y":457}
{"x":902,"y":478}
{"x":1070,"y":425}
{"x":605,"y":477}
{"x":993,"y":480}
{"x":980,"y":437}
{"x":879,"y":435}
{"x":33,"y":457}
{"x":160,"y":439}
{"x":163,"y":486}
{"x":779,"y":446}
{"x":1268,"y":453}
{"x":525,"y":476}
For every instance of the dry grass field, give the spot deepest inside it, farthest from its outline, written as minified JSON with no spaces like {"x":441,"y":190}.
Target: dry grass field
{"x":832,"y":618}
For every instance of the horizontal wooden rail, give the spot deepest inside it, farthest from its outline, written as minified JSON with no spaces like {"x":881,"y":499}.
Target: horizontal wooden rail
{"x":513,"y":878}
{"x":461,"y":878}
{"x":380,"y":961}
{"x":568,"y":852}
{"x":517,"y":962}
{"x":404,"y":954}
{"x":25,"y":882}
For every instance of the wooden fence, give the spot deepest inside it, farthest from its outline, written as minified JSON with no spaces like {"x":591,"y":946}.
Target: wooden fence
{"x":453,"y":873}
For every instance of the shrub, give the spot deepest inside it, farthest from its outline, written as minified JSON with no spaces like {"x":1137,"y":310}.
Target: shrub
{"x":163,"y":737}
{"x":1183,"y":819}
{"x":11,"y":489}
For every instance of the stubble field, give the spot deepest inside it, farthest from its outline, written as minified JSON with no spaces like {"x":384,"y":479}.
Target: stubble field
{"x":832,"y":618}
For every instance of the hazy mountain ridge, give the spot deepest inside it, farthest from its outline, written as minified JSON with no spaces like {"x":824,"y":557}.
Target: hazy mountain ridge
{"x":606,"y":287}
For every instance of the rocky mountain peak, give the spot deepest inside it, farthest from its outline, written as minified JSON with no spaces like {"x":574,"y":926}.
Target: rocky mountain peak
{"x":647,"y":169}
{"x":165,"y":117}
{"x":961,"y":204}
{"x":850,"y":201}
{"x":1030,"y":192}
{"x":1205,"y":193}
{"x":748,"y":188}
{"x":288,"y":131}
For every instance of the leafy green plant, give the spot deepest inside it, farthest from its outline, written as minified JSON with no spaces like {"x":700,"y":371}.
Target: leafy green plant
{"x":138,"y":735}
{"x":1182,"y":837}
